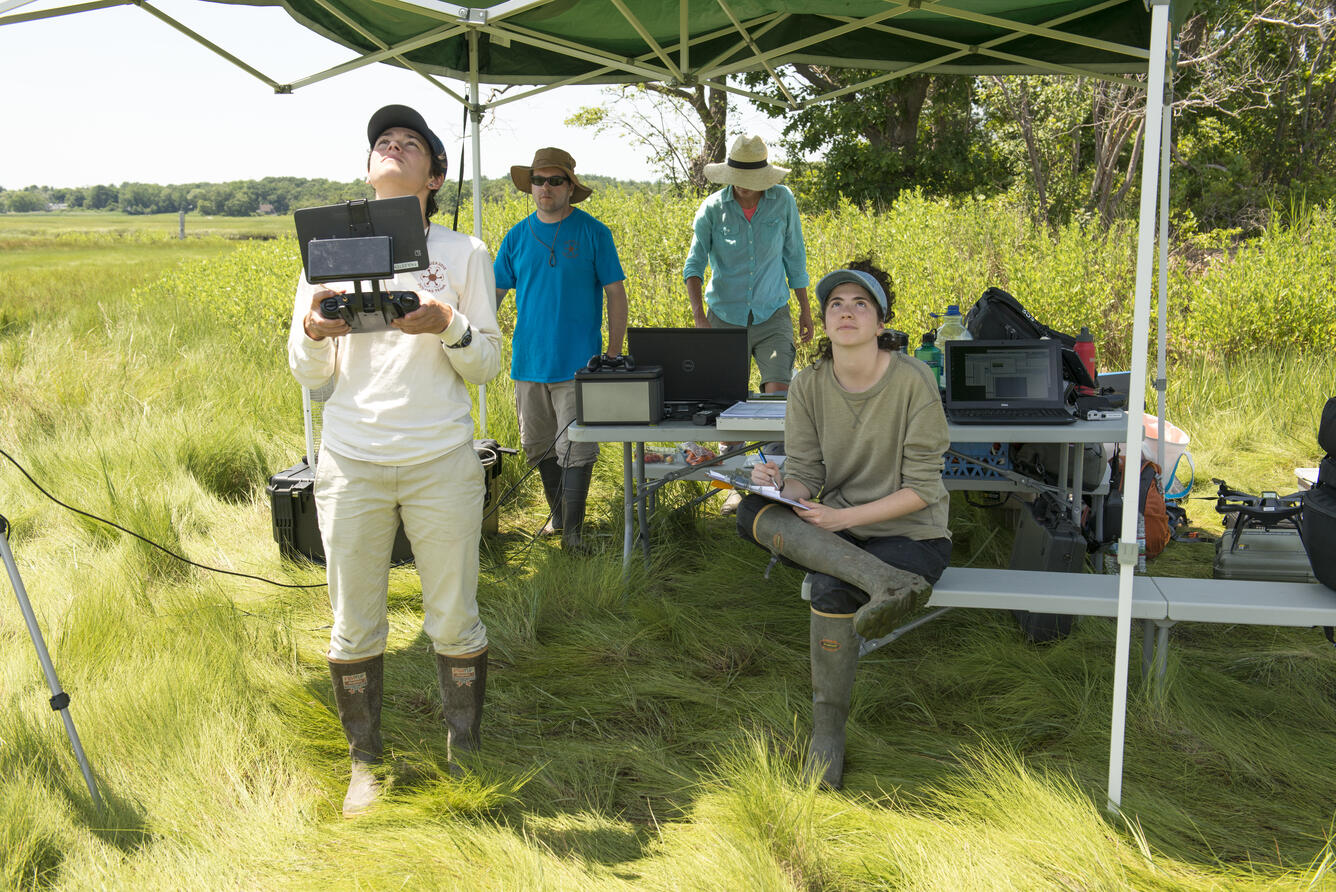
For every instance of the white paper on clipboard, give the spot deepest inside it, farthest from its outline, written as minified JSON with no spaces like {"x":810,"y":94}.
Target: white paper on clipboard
{"x":767,"y":492}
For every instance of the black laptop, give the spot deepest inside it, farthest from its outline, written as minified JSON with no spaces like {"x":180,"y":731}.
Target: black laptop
{"x":701,"y":366}
{"x":1005,"y":382}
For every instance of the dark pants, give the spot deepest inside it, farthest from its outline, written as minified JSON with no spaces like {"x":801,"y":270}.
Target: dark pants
{"x":830,"y":594}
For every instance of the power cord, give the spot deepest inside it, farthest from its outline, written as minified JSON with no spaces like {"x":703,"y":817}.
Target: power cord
{"x":166,"y":551}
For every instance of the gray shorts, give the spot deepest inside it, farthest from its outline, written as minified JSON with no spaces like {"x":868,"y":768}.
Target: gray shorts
{"x":770,"y":343}
{"x":545,"y":411}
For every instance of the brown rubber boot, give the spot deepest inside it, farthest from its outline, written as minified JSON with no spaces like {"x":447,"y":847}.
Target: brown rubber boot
{"x":357,"y":693}
{"x":892,"y":592}
{"x":463,"y":683}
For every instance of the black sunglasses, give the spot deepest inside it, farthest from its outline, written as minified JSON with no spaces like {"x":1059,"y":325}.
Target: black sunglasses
{"x":558,"y":180}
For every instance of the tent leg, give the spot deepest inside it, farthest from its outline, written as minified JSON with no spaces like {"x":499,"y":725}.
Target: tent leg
{"x":1161,"y":360}
{"x":475,"y":117}
{"x":1127,"y":549}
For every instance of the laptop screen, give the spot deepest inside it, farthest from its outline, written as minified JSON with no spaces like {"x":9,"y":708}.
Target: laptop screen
{"x":700,"y":365}
{"x":1003,"y":373}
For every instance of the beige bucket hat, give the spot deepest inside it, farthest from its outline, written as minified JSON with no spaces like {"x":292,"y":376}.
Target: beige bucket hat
{"x":748,"y":166}
{"x":549,"y":157}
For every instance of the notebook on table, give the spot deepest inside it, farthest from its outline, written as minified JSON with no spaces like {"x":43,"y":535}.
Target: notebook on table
{"x":701,"y":366}
{"x":1005,"y":382}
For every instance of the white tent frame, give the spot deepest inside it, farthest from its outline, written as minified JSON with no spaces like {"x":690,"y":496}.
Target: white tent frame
{"x":658,"y":65}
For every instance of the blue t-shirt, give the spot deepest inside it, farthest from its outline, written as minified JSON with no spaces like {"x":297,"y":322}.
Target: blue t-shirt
{"x":558,"y":271}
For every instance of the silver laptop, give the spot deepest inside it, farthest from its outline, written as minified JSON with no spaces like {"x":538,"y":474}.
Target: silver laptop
{"x":1005,"y":382}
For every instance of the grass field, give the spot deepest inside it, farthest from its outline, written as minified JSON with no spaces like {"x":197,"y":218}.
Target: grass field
{"x":641,"y":733}
{"x":141,"y":226}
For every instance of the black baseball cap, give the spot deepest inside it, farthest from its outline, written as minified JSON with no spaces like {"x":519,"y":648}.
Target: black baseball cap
{"x":402,"y":116}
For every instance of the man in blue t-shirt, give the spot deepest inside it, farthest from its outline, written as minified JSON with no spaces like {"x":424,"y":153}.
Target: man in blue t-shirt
{"x":561,"y":263}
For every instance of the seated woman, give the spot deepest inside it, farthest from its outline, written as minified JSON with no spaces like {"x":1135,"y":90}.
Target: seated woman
{"x":865,"y":433}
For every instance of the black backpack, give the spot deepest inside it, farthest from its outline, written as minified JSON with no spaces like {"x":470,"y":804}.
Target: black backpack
{"x":997,"y":316}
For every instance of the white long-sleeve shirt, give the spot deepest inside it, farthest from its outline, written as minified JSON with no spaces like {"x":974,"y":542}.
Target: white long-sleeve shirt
{"x":400,"y":399}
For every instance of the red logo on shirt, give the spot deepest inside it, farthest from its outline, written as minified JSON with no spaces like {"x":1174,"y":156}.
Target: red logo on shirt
{"x":571,"y":248}
{"x":433,"y":277}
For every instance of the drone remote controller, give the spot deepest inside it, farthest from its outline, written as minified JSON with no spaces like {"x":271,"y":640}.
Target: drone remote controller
{"x":371,"y":310}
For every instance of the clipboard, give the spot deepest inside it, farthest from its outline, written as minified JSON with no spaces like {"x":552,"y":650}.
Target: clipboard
{"x":738,"y":481}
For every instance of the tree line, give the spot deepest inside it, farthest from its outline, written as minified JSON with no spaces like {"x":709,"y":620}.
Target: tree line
{"x":239,"y":198}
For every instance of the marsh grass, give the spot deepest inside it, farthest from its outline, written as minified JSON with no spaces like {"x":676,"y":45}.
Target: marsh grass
{"x":642,"y":731}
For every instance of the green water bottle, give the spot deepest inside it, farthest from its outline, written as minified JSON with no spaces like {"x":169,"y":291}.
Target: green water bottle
{"x":930,"y":354}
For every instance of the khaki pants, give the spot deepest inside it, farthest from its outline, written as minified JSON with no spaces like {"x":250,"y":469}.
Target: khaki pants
{"x":544,"y":411}
{"x":359,"y":505}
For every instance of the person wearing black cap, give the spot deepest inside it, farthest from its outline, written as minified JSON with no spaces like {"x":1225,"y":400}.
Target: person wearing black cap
{"x":865,"y":432}
{"x":562,"y":264}
{"x":397,"y":445}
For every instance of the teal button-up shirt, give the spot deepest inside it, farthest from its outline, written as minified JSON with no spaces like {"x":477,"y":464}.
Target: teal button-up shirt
{"x":755,"y":262}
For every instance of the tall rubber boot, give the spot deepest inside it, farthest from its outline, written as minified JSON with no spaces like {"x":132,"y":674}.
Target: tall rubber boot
{"x":550,"y":471}
{"x":834,"y":647}
{"x":892,"y":592}
{"x":357,"y":693}
{"x":463,"y":683}
{"x":574,"y":494}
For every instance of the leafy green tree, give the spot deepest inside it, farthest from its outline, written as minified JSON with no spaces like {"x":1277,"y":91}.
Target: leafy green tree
{"x":1256,"y":101}
{"x":918,"y":131}
{"x":99,"y":198}
{"x":141,"y":198}
{"x":680,"y":136}
{"x":26,"y":201}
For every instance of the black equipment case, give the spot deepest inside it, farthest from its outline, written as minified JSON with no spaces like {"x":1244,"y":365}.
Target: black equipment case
{"x":1318,"y":522}
{"x":1047,"y":539}
{"x":297,"y":529}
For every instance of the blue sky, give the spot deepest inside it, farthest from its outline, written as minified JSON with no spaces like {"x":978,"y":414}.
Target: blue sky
{"x":116,"y":95}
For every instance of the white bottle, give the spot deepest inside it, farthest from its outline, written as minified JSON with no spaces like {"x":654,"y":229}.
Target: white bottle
{"x":953,"y":326}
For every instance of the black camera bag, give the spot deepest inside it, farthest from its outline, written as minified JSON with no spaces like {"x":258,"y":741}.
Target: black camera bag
{"x":997,"y":316}
{"x":1317,"y":523}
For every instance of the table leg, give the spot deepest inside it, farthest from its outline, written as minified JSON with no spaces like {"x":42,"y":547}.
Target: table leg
{"x":628,"y":498}
{"x":1078,"y":481}
{"x":642,"y":501}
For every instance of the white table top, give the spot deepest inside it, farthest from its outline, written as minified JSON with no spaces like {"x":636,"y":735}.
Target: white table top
{"x":773,"y":429}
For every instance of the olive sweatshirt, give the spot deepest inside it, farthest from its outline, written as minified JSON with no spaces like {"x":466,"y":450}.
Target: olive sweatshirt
{"x":855,"y":448}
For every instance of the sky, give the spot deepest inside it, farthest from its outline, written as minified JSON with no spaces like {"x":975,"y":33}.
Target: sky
{"x":115,"y":95}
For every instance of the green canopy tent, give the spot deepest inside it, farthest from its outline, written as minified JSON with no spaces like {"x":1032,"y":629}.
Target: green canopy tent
{"x":546,"y":44}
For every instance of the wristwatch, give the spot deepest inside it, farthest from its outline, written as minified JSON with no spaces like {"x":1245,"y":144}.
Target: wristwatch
{"x":464,"y":341}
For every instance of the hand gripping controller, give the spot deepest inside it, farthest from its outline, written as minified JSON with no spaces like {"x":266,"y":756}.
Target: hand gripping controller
{"x":369,"y":311}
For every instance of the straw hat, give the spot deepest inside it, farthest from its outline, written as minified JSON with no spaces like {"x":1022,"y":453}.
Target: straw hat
{"x":549,"y":157}
{"x":748,"y":166}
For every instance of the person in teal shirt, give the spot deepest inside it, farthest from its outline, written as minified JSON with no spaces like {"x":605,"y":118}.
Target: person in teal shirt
{"x":562,"y":264}
{"x":750,"y":236}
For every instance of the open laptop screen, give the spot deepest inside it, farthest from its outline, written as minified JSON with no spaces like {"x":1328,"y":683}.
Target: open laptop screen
{"x":700,"y":365}
{"x":1011,"y":373}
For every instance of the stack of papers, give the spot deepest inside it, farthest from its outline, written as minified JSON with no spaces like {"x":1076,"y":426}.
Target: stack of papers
{"x":763,"y":414}
{"x":741,"y":481}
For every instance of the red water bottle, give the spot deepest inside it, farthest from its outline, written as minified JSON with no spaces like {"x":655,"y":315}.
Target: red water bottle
{"x":1085,"y":348}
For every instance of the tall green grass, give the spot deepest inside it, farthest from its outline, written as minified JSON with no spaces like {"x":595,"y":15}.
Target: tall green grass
{"x":642,"y":732}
